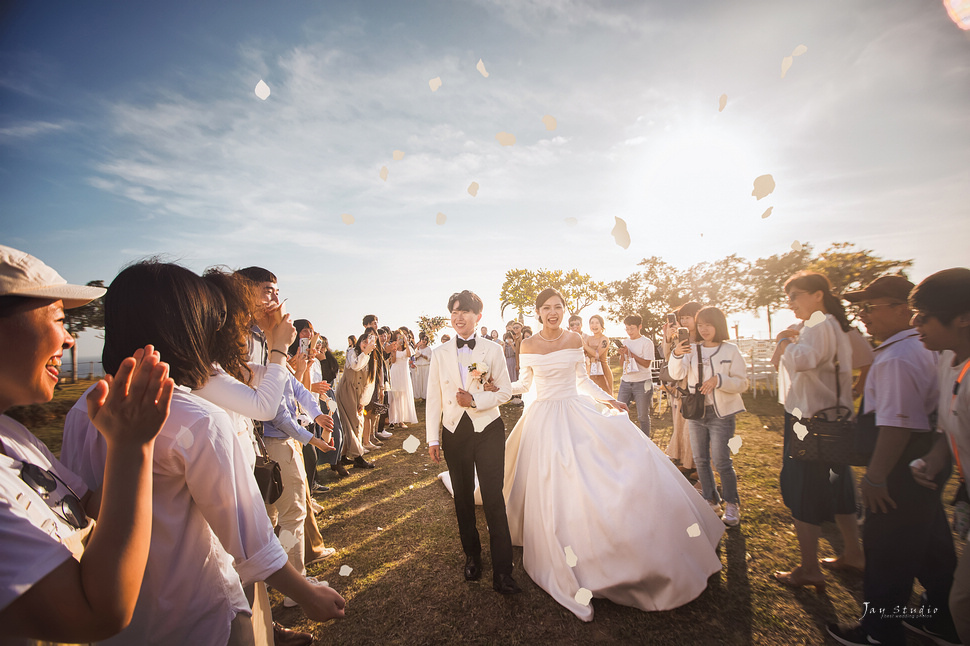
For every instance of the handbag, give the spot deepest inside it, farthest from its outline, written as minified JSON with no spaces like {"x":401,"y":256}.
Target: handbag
{"x":832,"y":436}
{"x":692,"y":403}
{"x":269,"y":476}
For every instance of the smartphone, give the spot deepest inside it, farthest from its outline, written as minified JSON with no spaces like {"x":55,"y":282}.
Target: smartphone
{"x":671,"y":319}
{"x":617,"y":343}
{"x":683,"y":334}
{"x":304,"y":346}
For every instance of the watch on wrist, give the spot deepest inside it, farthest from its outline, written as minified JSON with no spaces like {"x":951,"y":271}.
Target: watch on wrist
{"x":473,"y":404}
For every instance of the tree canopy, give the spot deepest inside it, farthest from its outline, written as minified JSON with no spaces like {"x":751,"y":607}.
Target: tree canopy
{"x":522,"y":286}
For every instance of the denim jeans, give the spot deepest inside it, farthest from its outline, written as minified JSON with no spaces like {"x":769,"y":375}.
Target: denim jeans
{"x":709,"y":438}
{"x":642,"y":393}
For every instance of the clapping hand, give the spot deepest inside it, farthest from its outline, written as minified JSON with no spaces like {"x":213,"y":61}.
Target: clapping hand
{"x":133,"y":405}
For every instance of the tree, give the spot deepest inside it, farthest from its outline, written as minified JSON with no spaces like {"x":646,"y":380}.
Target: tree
{"x":851,"y":269}
{"x":720,"y":283}
{"x":767,"y":276}
{"x":430,"y":325}
{"x":78,"y":319}
{"x":522,"y":286}
{"x":650,"y":292}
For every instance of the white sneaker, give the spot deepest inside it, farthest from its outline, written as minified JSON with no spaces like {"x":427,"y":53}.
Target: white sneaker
{"x":732,"y":514}
{"x":315,"y":506}
{"x":715,"y":507}
{"x":384,"y":435}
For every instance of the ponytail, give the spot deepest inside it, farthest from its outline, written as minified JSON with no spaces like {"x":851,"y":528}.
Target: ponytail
{"x":833,"y":305}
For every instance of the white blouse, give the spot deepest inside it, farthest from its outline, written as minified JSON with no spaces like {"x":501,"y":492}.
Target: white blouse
{"x":810,"y":363}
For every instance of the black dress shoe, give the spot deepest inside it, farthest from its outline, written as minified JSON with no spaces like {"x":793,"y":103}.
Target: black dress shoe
{"x":473,"y":568}
{"x":505,"y":584}
{"x":346,"y":461}
{"x":286,"y":637}
{"x":361,"y":463}
{"x":341,"y":470}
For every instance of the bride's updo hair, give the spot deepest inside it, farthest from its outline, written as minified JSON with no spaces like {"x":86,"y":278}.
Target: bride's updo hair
{"x":544,"y":296}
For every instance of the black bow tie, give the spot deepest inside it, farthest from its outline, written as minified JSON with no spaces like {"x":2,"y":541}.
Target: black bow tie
{"x":470,"y":343}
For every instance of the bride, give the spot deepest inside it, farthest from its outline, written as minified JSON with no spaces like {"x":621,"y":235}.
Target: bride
{"x":599,"y":510}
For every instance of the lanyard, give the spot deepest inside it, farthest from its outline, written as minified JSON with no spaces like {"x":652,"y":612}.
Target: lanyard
{"x":953,"y":401}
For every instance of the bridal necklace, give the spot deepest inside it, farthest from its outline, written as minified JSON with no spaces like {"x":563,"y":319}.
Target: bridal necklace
{"x":561,"y":331}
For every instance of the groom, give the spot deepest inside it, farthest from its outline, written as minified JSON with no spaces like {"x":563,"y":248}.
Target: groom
{"x":474,"y":435}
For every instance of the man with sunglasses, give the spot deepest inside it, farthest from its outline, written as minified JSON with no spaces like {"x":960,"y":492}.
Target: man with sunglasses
{"x":905,"y":536}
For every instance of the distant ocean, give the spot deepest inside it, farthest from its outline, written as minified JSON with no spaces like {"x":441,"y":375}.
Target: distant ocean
{"x":86,"y":367}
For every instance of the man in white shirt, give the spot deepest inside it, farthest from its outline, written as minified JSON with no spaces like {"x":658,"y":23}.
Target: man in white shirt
{"x":635,"y":384}
{"x":906,"y":535}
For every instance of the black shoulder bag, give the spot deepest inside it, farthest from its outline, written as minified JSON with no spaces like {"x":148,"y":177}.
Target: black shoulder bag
{"x":692,"y":403}
{"x":269,"y":476}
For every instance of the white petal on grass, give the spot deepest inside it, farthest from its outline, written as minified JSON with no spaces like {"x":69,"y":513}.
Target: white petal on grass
{"x":473,"y":189}
{"x":620,"y":234}
{"x":481,"y":68}
{"x":506,"y":138}
{"x":441,"y":218}
{"x":347,"y":218}
{"x":411,"y":487}
{"x":384,"y":173}
{"x":435,"y":83}
{"x":583,"y":596}
{"x":816,"y":318}
{"x":798,"y":51}
{"x":800,"y":430}
{"x":571,"y":559}
{"x":411,"y":444}
{"x":735,"y":444}
{"x":380,"y":529}
{"x":345,"y":570}
{"x":550,"y":122}
{"x":694,"y":530}
{"x":262,"y":90}
{"x":721,"y":102}
{"x":397,"y":155}
{"x":767,"y":213}
{"x":785,"y":65}
{"x":571,"y":221}
{"x":796,"y":246}
{"x":763,"y":186}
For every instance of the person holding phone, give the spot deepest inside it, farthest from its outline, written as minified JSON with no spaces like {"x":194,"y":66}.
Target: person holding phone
{"x":402,"y":410}
{"x":680,"y":325}
{"x":597,"y":347}
{"x":636,"y":385}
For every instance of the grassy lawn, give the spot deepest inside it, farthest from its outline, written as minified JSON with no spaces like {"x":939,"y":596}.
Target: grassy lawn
{"x":395,"y":526}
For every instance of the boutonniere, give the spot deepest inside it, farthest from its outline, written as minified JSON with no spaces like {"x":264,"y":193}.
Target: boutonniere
{"x":478,"y":371}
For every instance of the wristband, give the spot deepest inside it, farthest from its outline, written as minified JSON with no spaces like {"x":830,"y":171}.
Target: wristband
{"x":275,"y":350}
{"x":869,"y":482}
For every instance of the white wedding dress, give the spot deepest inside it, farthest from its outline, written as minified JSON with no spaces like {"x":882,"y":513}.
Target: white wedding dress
{"x":583,"y":477}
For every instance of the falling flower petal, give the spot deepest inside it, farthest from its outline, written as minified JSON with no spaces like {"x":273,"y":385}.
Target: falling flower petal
{"x":785,"y":64}
{"x":816,"y":318}
{"x":481,"y":68}
{"x":185,"y":438}
{"x":798,"y":51}
{"x":796,"y":412}
{"x":763,"y":186}
{"x":694,"y":530}
{"x":800,"y":430}
{"x":347,"y":218}
{"x":735,"y":444}
{"x":583,"y":596}
{"x":959,"y":12}
{"x":262,"y":90}
{"x":550,"y":122}
{"x":411,"y":444}
{"x":397,"y":155}
{"x":571,"y":559}
{"x":620,"y":234}
{"x":441,"y":218}
{"x":435,"y":83}
{"x":571,"y":221}
{"x":721,"y":102}
{"x":287,"y":539}
{"x":473,"y":189}
{"x":767,"y":213}
{"x":506,"y":138}
{"x":796,"y":246}
{"x":345,"y":570}
{"x":384,"y":173}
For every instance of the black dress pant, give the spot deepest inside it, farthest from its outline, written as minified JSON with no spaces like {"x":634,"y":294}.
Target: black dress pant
{"x":465,"y":450}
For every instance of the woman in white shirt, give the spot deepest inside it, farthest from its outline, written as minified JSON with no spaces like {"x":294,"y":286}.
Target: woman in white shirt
{"x":819,"y":362}
{"x":210,"y":534}
{"x":52,"y":587}
{"x":725,"y":377}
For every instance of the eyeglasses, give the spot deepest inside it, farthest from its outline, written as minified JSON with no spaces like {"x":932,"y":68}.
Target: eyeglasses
{"x":865,"y":308}
{"x":919,"y":318}
{"x":44,"y":482}
{"x":793,"y":295}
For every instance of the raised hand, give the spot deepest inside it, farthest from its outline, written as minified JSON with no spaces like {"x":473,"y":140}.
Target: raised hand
{"x":134,"y":404}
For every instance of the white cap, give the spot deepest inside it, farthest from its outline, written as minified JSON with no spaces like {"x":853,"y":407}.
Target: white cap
{"x":23,"y":275}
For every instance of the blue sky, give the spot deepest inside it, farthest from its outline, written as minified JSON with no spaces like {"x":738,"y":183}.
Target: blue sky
{"x":132,"y":129}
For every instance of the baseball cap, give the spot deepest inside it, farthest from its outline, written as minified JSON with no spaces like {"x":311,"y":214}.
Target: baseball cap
{"x":24,"y":275}
{"x":895,"y":287}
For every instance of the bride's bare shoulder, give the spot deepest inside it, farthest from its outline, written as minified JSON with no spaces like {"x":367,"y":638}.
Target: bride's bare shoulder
{"x":573,"y":340}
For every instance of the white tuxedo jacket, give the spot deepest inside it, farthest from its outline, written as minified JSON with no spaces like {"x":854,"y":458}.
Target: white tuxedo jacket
{"x":444,"y":380}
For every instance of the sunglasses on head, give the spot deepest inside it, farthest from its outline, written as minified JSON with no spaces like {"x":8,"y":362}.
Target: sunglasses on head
{"x":44,"y":483}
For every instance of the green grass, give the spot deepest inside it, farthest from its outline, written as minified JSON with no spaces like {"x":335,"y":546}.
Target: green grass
{"x":395,"y":526}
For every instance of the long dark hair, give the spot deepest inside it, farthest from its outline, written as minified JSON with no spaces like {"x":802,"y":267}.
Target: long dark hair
{"x":169,"y":307}
{"x":230,"y":345}
{"x":372,"y":363}
{"x":300,"y":325}
{"x":811,"y":282}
